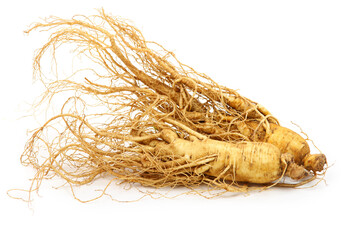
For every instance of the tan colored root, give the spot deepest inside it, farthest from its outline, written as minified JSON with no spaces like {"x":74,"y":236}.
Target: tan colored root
{"x":83,"y":150}
{"x":114,"y":118}
{"x":121,"y":51}
{"x":287,"y":141}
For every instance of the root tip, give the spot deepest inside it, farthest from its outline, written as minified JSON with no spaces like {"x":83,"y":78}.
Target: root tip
{"x":315,"y":162}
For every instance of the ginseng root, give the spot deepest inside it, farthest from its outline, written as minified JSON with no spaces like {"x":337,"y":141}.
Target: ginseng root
{"x":244,"y":161}
{"x":137,"y":113}
{"x":288,"y":142}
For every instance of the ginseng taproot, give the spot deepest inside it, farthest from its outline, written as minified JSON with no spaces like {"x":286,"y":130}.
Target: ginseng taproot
{"x":144,"y":117}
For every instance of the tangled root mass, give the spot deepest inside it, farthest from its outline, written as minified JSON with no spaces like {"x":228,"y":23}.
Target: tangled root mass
{"x":133,"y":91}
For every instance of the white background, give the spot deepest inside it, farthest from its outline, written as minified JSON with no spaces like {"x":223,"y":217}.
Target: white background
{"x":300,"y":59}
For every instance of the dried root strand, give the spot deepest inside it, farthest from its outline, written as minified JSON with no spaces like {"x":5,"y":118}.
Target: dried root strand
{"x":121,"y":50}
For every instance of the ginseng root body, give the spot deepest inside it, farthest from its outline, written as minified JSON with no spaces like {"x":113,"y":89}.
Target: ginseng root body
{"x":288,"y":142}
{"x":251,"y":162}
